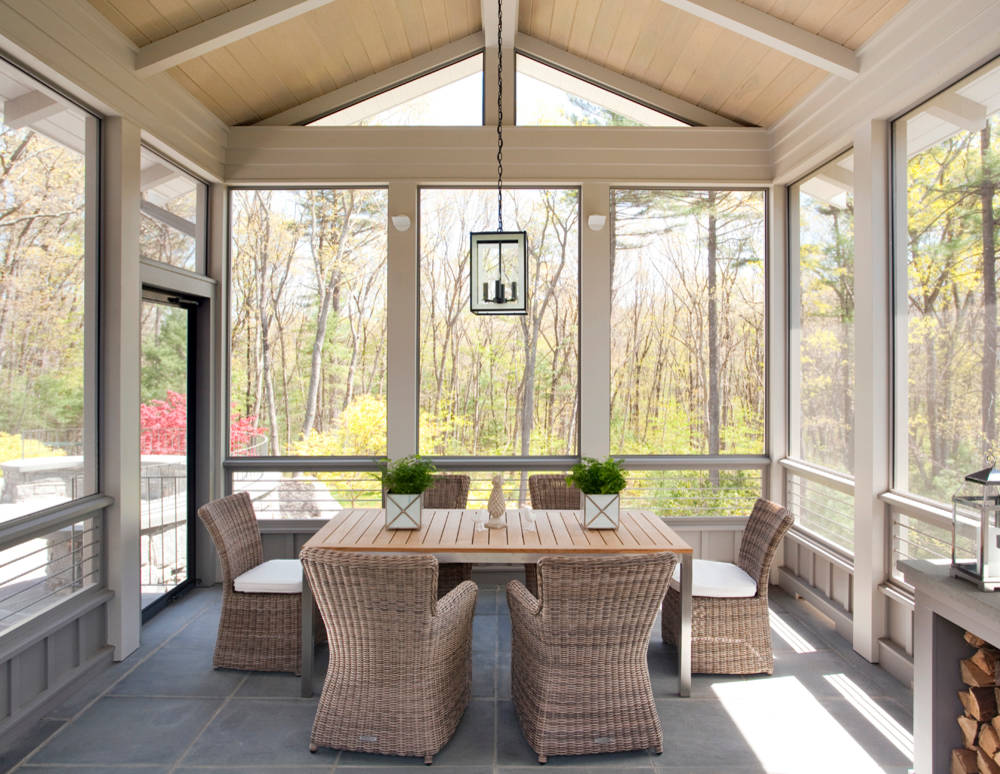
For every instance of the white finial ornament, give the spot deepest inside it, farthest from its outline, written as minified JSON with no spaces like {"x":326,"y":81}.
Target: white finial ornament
{"x":497,"y":505}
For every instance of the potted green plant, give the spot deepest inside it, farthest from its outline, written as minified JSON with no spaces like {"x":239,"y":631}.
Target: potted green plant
{"x":404,"y":481}
{"x":601,"y":483}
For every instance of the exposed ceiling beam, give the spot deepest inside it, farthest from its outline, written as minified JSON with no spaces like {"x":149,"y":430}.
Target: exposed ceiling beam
{"x":168,"y":218}
{"x":619,"y":83}
{"x":837,"y":176}
{"x":156,"y":174}
{"x":959,"y":111}
{"x":488,"y":12}
{"x":378,"y":82}
{"x":217,"y":32}
{"x":29,"y":108}
{"x":775,"y":33}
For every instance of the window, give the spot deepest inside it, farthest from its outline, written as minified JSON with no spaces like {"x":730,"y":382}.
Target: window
{"x":550,"y":97}
{"x":47,"y":253}
{"x":499,"y":385}
{"x":822,"y":316}
{"x":687,"y":322}
{"x":946,"y":153}
{"x":173,"y":207}
{"x":821,"y":348}
{"x":308,"y":322}
{"x":451,"y":96}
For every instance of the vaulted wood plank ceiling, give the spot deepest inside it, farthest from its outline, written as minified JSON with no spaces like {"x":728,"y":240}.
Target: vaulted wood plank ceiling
{"x":649,"y":41}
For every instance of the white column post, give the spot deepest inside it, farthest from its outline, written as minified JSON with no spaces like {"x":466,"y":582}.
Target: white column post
{"x":120,"y":341}
{"x":781,"y":333}
{"x":402,"y":319}
{"x":872,"y":389}
{"x":595,"y":322}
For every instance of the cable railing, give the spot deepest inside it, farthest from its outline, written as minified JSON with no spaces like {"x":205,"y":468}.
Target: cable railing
{"x":163,"y":533}
{"x":311,"y":488}
{"x":48,"y":557}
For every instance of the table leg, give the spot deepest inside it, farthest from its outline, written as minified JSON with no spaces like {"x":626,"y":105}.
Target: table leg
{"x":308,"y":641}
{"x":684,"y":641}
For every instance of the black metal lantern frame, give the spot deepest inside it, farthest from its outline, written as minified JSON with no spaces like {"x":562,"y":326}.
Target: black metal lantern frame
{"x":499,"y":275}
{"x":499,"y":259}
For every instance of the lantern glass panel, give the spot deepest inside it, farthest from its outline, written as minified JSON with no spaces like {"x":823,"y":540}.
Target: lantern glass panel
{"x":975,"y":554}
{"x":499,"y":272}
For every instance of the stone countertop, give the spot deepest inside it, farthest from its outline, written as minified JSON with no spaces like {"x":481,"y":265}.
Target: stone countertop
{"x":953,"y":598}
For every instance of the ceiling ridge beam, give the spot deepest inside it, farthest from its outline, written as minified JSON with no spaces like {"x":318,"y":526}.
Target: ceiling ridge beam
{"x":378,"y":82}
{"x":621,"y":84}
{"x":217,"y":32}
{"x":774,"y":33}
{"x":488,"y":14}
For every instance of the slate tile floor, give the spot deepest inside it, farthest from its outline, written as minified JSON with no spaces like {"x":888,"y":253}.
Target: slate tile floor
{"x":164,"y":710}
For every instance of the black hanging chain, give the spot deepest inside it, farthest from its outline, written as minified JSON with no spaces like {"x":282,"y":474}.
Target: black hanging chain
{"x":499,"y":115}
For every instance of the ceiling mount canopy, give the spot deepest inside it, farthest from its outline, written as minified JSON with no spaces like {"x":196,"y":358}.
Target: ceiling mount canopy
{"x":499,"y":258}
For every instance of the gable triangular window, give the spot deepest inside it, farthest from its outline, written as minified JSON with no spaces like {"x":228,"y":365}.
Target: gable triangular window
{"x":547,"y":96}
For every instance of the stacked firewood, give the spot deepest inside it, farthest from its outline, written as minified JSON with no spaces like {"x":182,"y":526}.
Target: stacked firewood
{"x":980,"y":722}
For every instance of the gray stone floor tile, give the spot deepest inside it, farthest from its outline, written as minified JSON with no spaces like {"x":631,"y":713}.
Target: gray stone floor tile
{"x":412,"y":768}
{"x":484,"y":676}
{"x":577,"y":767}
{"x":259,"y":732}
{"x":99,"y":769}
{"x":326,"y":768}
{"x":662,"y":662}
{"x":699,"y":732}
{"x":178,"y":672}
{"x":513,"y":749}
{"x":27,"y":741}
{"x":129,"y":730}
{"x":486,"y":601}
{"x":484,"y":634}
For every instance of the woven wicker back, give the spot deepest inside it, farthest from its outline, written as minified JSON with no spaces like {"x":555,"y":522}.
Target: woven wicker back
{"x":552,"y":493}
{"x":447,"y":491}
{"x":603,"y":601}
{"x":232,"y":523}
{"x":767,"y":524}
{"x":371,"y":603}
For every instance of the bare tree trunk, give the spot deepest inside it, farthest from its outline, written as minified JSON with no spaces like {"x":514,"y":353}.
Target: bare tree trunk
{"x":713,"y":338}
{"x":989,"y":375}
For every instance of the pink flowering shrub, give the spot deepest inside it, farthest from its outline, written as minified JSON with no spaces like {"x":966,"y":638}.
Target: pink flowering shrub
{"x":163,"y":426}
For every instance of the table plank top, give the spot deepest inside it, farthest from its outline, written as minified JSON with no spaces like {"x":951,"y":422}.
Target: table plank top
{"x":455,"y":532}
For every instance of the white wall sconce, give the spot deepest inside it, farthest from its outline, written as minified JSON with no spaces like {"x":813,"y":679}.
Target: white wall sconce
{"x":596,"y":222}
{"x":401,"y":222}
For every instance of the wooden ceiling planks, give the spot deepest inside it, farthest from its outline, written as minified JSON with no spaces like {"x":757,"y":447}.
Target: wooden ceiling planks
{"x":647,"y":40}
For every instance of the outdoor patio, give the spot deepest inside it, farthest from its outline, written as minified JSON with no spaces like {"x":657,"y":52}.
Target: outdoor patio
{"x":164,"y":709}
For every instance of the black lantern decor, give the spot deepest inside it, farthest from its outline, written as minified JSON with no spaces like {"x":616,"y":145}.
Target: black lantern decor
{"x":499,"y":274}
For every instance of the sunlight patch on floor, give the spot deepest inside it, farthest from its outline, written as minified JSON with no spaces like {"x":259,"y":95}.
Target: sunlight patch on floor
{"x":886,"y":725}
{"x":792,"y":638}
{"x":789,"y":730}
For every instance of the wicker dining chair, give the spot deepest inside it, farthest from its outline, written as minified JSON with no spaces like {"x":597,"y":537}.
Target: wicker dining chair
{"x":259,"y":628}
{"x":549,"y":492}
{"x":449,"y":491}
{"x":579,"y":676}
{"x":399,"y":676}
{"x":732,"y":634}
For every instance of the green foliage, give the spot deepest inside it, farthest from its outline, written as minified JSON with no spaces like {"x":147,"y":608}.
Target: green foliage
{"x":595,"y":477}
{"x":407,"y":475}
{"x":14,"y":447}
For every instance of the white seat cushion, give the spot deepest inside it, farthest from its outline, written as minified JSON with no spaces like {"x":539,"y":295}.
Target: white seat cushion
{"x":716,"y":579}
{"x":277,"y":576}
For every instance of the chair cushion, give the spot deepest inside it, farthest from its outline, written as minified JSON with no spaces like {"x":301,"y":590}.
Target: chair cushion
{"x":277,"y":576}
{"x":716,"y":579}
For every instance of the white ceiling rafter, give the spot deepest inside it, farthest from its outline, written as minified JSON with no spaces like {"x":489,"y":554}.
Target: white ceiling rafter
{"x":30,"y":108}
{"x":217,"y":32}
{"x":774,"y":33}
{"x":959,"y":111}
{"x":378,"y":82}
{"x":621,"y":84}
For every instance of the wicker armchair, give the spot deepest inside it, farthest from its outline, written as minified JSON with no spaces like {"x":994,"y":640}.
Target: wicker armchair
{"x":257,"y":631}
{"x":549,"y":492}
{"x":449,"y":491}
{"x":399,"y":674}
{"x":732,"y":635}
{"x":580,"y":682}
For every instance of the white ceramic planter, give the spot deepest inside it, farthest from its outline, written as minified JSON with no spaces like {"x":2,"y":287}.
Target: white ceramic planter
{"x":402,"y":511}
{"x":601,"y":511}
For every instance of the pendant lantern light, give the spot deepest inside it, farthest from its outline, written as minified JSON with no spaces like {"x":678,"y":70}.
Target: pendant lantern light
{"x":499,"y":274}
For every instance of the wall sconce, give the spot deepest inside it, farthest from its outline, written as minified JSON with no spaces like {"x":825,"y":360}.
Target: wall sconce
{"x":401,"y":222}
{"x":596,"y":222}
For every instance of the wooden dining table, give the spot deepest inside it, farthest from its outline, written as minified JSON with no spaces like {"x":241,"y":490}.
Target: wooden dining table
{"x":459,"y":536}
